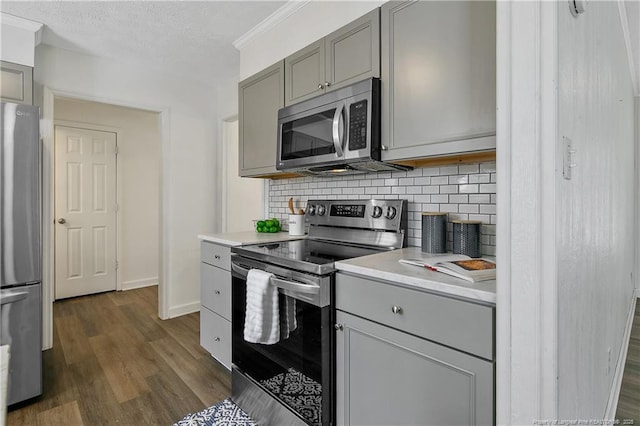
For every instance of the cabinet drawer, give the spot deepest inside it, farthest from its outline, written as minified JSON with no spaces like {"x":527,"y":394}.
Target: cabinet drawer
{"x":216,"y":255}
{"x":463,"y":325}
{"x":215,"y":336}
{"x":215,"y":289}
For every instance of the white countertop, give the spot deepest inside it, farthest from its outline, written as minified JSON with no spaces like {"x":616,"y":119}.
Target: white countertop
{"x":385,"y":266}
{"x":247,"y":237}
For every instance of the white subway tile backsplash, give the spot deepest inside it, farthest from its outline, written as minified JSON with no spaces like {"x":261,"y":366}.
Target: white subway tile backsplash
{"x":469,"y":189}
{"x":440,"y":180}
{"x":465,"y":192}
{"x":479,"y":199}
{"x":448,"y":189}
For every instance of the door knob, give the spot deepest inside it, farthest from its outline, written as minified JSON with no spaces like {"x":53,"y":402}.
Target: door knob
{"x":62,"y":221}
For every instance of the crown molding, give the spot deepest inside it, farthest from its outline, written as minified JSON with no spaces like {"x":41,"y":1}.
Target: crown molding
{"x":25,"y":24}
{"x":288,"y":9}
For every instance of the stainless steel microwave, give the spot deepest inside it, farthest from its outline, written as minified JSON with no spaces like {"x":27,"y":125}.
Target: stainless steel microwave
{"x":337,"y":132}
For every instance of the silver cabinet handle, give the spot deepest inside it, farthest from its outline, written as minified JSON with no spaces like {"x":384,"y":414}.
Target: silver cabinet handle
{"x":217,"y":339}
{"x":62,"y":221}
{"x":327,"y":83}
{"x":396,"y":310}
{"x":339,"y":327}
{"x":217,"y":257}
{"x":217,"y":292}
{"x":337,"y":130}
{"x":320,"y":86}
{"x":384,"y":147}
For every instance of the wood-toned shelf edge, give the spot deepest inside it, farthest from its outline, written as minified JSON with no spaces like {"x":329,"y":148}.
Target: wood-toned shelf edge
{"x":277,"y":176}
{"x":474,"y":157}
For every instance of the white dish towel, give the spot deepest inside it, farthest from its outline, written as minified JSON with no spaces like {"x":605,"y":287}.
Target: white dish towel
{"x":262,"y":322}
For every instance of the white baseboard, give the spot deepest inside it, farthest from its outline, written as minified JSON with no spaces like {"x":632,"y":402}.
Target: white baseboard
{"x":614,"y":394}
{"x":144,"y":282}
{"x":185,"y":309}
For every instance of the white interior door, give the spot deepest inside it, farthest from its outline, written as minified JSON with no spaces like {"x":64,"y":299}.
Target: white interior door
{"x":85,"y":211}
{"x":243,"y":197}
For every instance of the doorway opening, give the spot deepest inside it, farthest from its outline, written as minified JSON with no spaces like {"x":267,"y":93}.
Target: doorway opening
{"x":106,"y":211}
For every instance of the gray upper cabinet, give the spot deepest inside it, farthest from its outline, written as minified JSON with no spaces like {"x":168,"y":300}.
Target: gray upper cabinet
{"x":16,"y":83}
{"x":304,"y":75}
{"x":438,"y":78}
{"x":259,"y":99}
{"x":348,"y":55}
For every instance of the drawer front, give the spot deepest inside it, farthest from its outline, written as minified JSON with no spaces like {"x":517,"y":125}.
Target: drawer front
{"x":465,"y":326}
{"x":215,"y":289}
{"x":216,"y":255}
{"x":215,"y":336}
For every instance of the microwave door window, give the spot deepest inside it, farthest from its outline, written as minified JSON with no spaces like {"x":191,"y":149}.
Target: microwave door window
{"x":309,"y":136}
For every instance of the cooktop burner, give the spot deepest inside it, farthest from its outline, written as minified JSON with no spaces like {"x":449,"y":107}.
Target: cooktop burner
{"x":308,"y":255}
{"x":338,"y":230}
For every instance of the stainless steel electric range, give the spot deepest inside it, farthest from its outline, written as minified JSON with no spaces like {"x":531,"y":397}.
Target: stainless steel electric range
{"x":292,"y":381}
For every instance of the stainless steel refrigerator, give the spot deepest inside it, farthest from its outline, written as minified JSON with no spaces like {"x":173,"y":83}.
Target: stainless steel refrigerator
{"x":21,"y":249}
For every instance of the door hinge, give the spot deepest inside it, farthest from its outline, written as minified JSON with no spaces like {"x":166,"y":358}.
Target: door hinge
{"x":117,"y":265}
{"x":116,"y":151}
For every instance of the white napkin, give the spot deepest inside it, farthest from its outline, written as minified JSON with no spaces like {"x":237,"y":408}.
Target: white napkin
{"x":261,"y":323}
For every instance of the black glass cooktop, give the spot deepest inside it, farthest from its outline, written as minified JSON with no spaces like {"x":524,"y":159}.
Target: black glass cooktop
{"x":308,"y":255}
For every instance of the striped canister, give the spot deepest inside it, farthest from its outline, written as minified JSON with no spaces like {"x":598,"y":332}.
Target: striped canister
{"x":434,"y":232}
{"x":466,"y":237}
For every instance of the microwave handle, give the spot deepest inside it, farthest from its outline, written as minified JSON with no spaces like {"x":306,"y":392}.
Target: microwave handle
{"x":338,"y":131}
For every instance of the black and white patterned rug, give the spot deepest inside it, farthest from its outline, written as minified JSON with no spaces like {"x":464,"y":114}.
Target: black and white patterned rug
{"x":300,"y":392}
{"x":224,"y":413}
{"x":294,"y":388}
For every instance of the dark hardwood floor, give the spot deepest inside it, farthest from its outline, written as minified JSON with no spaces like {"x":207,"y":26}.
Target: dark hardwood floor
{"x":114,"y":362}
{"x":629,"y":402}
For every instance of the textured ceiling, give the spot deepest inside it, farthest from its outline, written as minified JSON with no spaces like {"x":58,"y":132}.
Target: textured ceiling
{"x":184,"y":37}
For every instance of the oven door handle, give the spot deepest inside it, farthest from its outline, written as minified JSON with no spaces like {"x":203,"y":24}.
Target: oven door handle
{"x":294,"y":286}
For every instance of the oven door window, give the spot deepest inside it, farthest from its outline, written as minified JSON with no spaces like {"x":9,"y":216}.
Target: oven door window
{"x":297,"y":369}
{"x":309,"y":136}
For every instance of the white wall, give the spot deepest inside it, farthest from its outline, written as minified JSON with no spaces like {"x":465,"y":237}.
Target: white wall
{"x":596,"y":239}
{"x":139,"y":156}
{"x":308,"y":23}
{"x":188,"y":115}
{"x":18,"y":39}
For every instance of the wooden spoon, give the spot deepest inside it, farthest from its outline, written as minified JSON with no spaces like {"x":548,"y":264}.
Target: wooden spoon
{"x":291,"y":206}
{"x":301,"y":211}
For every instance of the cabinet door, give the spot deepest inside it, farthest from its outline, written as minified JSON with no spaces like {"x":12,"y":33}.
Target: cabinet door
{"x":16,"y":83}
{"x":215,"y":290}
{"x":304,"y":73}
{"x":353,"y":52}
{"x":215,"y":336}
{"x":387,"y":377}
{"x":438,"y":77}
{"x":259,"y":99}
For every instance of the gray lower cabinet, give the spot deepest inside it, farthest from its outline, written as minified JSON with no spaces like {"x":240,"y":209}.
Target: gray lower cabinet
{"x":438,"y":78}
{"x":16,"y":83}
{"x":215,"y":301}
{"x":259,"y":99}
{"x":397,"y":362}
{"x":347,"y":55}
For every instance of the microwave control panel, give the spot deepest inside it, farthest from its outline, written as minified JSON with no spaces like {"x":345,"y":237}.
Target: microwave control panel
{"x":358,"y":125}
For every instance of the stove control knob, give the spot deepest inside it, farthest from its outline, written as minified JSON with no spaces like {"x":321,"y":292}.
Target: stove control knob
{"x":311,"y":210}
{"x":377,"y":212}
{"x":320,"y":209}
{"x":391,"y":213}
